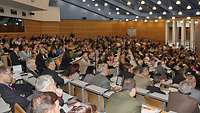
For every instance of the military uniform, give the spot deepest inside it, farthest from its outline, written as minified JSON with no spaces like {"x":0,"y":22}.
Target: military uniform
{"x":122,"y":102}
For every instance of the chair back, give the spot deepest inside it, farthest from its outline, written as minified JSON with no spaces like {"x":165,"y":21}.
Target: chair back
{"x":18,"y":109}
{"x":153,"y":102}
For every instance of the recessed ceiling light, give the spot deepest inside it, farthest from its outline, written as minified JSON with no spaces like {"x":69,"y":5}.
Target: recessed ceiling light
{"x":88,"y":5}
{"x":137,"y":17}
{"x":17,"y":24}
{"x":189,"y":7}
{"x":127,"y":13}
{"x":147,"y":17}
{"x":142,"y":2}
{"x":170,"y":7}
{"x":136,"y":20}
{"x":118,"y":13}
{"x":140,"y":8}
{"x":198,"y":13}
{"x":128,"y":3}
{"x":199,"y":3}
{"x":117,"y":9}
{"x":96,"y":5}
{"x":173,"y":17}
{"x":178,"y":2}
{"x":160,"y":17}
{"x":156,"y":20}
{"x":93,"y":0}
{"x":105,"y":4}
{"x":83,"y":0}
{"x":99,"y":9}
{"x":127,"y":19}
{"x":109,"y":13}
{"x":145,"y":20}
{"x":188,"y":17}
{"x":154,"y":8}
{"x":159,"y":2}
{"x":164,"y":13}
{"x":5,"y":24}
{"x":150,"y":13}
{"x":180,"y":13}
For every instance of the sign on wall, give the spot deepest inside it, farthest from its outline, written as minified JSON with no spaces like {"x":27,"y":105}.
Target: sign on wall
{"x":131,"y":32}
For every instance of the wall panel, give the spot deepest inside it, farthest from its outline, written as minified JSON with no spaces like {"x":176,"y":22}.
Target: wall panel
{"x":91,"y":28}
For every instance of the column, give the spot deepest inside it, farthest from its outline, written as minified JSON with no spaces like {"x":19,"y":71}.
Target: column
{"x":174,"y":32}
{"x":166,"y":32}
{"x":183,"y":33}
{"x":192,"y":32}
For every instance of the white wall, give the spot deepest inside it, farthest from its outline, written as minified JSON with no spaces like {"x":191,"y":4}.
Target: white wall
{"x":42,"y":4}
{"x":19,"y":12}
{"x":51,"y":14}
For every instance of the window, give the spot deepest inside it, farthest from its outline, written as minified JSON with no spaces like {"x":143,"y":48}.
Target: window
{"x":1,"y":10}
{"x":14,"y":12}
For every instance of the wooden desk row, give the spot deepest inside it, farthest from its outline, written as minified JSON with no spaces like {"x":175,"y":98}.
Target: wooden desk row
{"x":88,"y":93}
{"x":157,"y":96}
{"x":98,"y":96}
{"x":94,"y":94}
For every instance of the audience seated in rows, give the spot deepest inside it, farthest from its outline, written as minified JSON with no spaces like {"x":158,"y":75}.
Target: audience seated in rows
{"x":151,"y":64}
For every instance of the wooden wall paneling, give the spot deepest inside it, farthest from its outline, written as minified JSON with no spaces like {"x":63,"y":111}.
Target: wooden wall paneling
{"x":92,"y":28}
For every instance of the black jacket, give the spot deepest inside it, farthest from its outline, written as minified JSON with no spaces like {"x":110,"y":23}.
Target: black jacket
{"x":14,"y":58}
{"x":40,"y":63}
{"x":11,"y":96}
{"x":66,"y":59}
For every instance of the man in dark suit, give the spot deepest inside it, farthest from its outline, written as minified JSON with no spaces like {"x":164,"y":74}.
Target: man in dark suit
{"x":40,"y":61}
{"x":66,"y":59}
{"x":181,"y":102}
{"x":16,"y":60}
{"x":9,"y":94}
